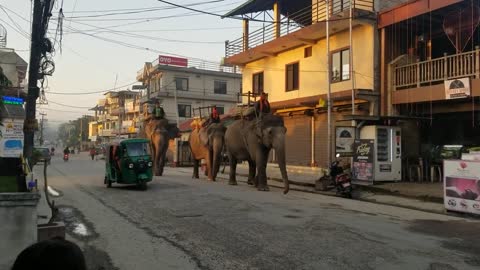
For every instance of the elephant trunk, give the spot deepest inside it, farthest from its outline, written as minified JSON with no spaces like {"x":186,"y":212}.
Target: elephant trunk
{"x":279,"y":146}
{"x":217,"y":148}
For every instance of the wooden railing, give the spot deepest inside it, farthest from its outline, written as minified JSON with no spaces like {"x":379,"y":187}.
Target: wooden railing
{"x":437,"y":70}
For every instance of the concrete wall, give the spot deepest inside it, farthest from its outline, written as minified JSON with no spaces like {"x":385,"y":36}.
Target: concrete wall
{"x":313,"y":77}
{"x":200,"y":92}
{"x":18,"y":229}
{"x":9,"y":61}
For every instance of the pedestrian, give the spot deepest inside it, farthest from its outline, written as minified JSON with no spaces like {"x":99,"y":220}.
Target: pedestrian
{"x":92,"y":152}
{"x":52,"y":254}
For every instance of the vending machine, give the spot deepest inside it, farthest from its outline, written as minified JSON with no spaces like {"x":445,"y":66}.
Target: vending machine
{"x":387,"y":151}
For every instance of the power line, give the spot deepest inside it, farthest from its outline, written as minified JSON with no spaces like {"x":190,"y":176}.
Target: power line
{"x":69,"y":106}
{"x":122,"y":33}
{"x":89,"y":93}
{"x":143,"y":10}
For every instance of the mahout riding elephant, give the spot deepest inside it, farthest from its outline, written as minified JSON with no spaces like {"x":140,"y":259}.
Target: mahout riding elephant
{"x":159,"y":132}
{"x":252,"y":141}
{"x":207,"y":143}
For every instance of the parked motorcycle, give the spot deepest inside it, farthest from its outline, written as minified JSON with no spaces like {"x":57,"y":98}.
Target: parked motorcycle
{"x":337,"y":177}
{"x":65,"y":157}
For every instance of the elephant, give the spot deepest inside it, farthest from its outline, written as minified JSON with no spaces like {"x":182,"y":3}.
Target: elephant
{"x":159,"y":132}
{"x":252,"y":141}
{"x":207,"y":143}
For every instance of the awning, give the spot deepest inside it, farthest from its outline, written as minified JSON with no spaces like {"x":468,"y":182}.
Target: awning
{"x":286,"y":7}
{"x":12,"y":111}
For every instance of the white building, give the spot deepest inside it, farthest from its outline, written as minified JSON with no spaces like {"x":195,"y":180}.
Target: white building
{"x":182,"y":85}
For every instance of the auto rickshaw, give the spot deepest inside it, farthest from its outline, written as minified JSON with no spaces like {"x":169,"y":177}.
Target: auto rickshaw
{"x":128,"y":162}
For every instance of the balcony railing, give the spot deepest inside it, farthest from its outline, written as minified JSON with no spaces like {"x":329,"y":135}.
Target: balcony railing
{"x":437,"y":70}
{"x":198,"y":64}
{"x":307,"y":16}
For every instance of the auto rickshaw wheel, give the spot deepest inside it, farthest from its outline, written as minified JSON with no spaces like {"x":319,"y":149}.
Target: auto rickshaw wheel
{"x":142,"y":186}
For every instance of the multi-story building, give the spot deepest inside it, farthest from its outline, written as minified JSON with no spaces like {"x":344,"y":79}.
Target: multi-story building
{"x":116,"y":116}
{"x":430,"y":72}
{"x":182,"y":85}
{"x":288,"y":58}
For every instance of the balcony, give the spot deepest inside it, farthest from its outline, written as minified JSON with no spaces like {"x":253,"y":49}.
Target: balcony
{"x":149,"y":68}
{"x":436,"y":71}
{"x":303,"y":27}
{"x":106,"y":133}
{"x":421,"y":81}
{"x":196,"y":95}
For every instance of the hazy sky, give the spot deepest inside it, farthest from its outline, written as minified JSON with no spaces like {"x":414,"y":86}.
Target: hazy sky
{"x":88,"y":63}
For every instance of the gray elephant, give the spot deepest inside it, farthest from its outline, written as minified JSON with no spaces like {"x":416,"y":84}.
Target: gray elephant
{"x":252,"y":141}
{"x":159,"y":132}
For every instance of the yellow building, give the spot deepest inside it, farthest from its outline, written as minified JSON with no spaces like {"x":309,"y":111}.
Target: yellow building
{"x":287,"y":58}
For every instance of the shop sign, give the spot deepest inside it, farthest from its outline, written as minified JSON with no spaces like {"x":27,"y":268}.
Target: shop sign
{"x":362,"y":171}
{"x":11,"y":139}
{"x":344,"y":140}
{"x":462,"y":186}
{"x":12,"y":100}
{"x":172,"y":61}
{"x":458,"y":88}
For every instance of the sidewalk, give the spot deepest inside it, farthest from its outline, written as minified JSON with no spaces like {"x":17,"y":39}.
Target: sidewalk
{"x":412,"y":195}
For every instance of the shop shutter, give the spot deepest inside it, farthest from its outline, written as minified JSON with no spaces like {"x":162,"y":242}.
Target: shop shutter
{"x":297,"y":140}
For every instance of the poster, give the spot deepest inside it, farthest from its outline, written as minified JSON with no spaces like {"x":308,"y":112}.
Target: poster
{"x":458,"y":88}
{"x":362,"y":171}
{"x":344,"y":140}
{"x":462,"y":186}
{"x":11,"y":138}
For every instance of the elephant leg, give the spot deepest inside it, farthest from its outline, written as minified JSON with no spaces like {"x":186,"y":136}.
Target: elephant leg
{"x":251,"y":173}
{"x":196,"y":164}
{"x":262,"y":171}
{"x":233,"y":171}
{"x":209,"y":171}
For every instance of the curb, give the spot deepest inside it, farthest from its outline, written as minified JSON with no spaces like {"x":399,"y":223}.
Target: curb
{"x":377,"y":190}
{"x":333,"y":194}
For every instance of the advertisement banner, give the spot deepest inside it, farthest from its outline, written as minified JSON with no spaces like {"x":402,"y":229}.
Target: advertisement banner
{"x":458,"y":88}
{"x":11,"y":139}
{"x":172,"y":61}
{"x":461,"y":186}
{"x":344,"y":140}
{"x":362,"y":171}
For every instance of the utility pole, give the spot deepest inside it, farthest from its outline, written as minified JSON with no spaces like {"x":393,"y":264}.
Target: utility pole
{"x":41,"y":12}
{"x":329,"y":91}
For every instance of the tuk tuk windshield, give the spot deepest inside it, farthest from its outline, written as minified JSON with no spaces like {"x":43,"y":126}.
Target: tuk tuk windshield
{"x":138,"y":149}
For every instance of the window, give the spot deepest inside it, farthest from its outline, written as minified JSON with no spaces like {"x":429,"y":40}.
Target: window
{"x":307,"y":52}
{"x":184,"y":110}
{"x":220,"y":109}
{"x":220,"y":87}
{"x":181,"y":84}
{"x":341,"y":66}
{"x":292,"y":76}
{"x":257,"y":83}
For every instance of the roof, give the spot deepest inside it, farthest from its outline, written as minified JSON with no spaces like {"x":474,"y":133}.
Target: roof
{"x":253,"y":6}
{"x":185,"y":125}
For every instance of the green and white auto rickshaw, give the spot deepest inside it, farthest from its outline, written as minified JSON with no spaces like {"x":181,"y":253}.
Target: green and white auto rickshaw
{"x":128,"y":162}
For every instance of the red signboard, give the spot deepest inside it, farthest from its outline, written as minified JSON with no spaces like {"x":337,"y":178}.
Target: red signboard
{"x":172,"y":61}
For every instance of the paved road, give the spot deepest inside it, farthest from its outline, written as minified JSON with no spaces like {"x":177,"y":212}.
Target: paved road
{"x":181,"y":223}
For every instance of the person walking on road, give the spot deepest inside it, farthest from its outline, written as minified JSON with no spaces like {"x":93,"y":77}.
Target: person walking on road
{"x":92,"y":152}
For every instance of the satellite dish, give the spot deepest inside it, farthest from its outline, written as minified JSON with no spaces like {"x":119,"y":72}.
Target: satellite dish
{"x":3,"y":37}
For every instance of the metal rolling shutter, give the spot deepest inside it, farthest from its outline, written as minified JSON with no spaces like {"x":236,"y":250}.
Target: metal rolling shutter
{"x":297,"y":140}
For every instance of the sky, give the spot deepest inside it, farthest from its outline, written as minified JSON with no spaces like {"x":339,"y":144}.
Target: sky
{"x":87,"y":62}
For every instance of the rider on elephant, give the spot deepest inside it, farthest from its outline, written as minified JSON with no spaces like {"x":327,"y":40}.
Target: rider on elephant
{"x":214,"y":118}
{"x":159,"y":112}
{"x":262,"y":106}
